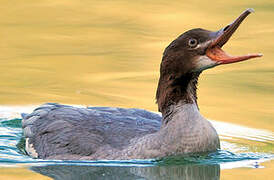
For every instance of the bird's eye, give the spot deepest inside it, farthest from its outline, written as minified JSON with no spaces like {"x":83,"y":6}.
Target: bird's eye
{"x":192,"y":43}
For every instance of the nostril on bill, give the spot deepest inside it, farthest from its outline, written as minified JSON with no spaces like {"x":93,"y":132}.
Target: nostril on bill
{"x":226,"y":27}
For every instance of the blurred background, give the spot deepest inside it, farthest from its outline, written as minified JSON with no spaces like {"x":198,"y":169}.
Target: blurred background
{"x":108,"y":53}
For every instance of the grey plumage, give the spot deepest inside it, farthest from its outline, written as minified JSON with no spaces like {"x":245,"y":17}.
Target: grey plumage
{"x":61,"y":130}
{"x":66,"y":132}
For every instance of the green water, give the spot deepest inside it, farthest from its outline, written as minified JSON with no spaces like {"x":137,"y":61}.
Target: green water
{"x":197,"y":166}
{"x":108,"y":53}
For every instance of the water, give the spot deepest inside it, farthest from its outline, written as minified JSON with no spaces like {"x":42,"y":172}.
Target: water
{"x":205,"y":166}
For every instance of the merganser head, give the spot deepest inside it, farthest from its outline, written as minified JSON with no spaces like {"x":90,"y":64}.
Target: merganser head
{"x":188,"y":55}
{"x":199,"y":49}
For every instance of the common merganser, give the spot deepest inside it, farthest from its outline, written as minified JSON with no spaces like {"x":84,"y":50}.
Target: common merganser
{"x":55,"y":131}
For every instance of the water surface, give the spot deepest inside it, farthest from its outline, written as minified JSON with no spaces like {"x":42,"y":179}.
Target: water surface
{"x":241,"y":147}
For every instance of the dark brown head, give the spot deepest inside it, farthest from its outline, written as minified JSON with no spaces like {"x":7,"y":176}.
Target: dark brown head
{"x":187,"y":56}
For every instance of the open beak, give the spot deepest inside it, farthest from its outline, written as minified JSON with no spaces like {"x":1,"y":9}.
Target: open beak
{"x":214,"y":51}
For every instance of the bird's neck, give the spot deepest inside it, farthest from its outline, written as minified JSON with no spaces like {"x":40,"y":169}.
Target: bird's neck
{"x":177,"y":93}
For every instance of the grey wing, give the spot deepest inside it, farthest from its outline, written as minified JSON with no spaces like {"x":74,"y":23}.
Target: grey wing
{"x":54,"y":129}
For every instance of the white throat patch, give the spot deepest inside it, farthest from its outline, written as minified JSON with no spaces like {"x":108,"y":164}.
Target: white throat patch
{"x":204,"y":62}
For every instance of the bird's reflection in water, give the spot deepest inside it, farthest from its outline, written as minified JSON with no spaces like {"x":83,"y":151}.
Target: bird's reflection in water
{"x":189,"y":172}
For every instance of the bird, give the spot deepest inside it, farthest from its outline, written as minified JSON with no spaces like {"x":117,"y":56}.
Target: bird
{"x":64,"y":132}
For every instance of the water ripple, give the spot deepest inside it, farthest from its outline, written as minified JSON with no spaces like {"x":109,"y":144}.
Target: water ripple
{"x":233,"y":156}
